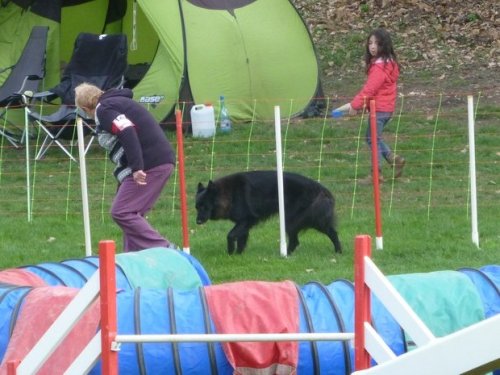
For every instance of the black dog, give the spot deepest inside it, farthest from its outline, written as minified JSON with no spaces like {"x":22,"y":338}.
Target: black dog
{"x":248,"y":198}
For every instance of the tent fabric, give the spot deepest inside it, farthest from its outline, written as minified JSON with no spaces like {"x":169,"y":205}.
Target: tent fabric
{"x":16,"y":276}
{"x":257,"y":307}
{"x":159,"y":267}
{"x":15,"y":28}
{"x":29,"y":70}
{"x":41,"y":307}
{"x":260,"y":52}
{"x":260,"y":55}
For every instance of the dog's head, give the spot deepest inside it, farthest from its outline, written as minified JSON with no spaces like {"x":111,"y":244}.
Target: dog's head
{"x":205,"y":202}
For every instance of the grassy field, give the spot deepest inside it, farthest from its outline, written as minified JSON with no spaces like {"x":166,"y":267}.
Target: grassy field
{"x":426,"y":213}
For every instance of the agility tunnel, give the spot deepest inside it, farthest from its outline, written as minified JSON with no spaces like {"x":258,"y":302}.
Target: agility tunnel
{"x":446,"y":301}
{"x":152,"y":268}
{"x":156,"y":268}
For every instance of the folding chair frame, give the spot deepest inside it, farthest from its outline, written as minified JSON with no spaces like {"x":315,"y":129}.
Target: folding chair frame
{"x":81,"y":68}
{"x":69,"y":117}
{"x":26,"y":74}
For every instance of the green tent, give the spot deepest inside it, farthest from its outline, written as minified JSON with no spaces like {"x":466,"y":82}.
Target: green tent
{"x":257,"y":53}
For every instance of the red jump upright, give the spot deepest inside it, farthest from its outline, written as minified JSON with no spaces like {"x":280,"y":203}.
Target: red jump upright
{"x":107,"y":281}
{"x":362,"y":303}
{"x":182,"y":181}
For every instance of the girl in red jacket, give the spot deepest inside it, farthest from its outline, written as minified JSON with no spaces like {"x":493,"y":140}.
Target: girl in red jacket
{"x":382,"y":71}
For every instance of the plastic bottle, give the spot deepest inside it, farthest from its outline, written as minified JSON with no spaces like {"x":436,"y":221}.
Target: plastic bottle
{"x":225,"y":121}
{"x":203,"y":120}
{"x":341,"y":111}
{"x":337,"y":114}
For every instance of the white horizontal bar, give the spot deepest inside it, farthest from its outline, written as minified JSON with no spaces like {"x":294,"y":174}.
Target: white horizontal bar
{"x":376,"y":346}
{"x":87,"y":359}
{"x":236,"y":337}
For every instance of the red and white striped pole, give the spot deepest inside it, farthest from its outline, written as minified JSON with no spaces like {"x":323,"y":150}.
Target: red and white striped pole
{"x":107,"y":281}
{"x":379,"y":243}
{"x":362,"y":301}
{"x":182,"y":182}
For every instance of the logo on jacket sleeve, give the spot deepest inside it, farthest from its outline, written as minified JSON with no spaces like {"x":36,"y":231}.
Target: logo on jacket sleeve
{"x":121,"y":122}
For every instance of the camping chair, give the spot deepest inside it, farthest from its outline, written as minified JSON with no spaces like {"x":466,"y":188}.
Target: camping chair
{"x":25,"y":76}
{"x":97,"y":59}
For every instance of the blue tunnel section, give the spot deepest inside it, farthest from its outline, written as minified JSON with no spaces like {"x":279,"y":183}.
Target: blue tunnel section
{"x":446,"y":301}
{"x":156,"y":267}
{"x":487,"y":282}
{"x":74,"y":272}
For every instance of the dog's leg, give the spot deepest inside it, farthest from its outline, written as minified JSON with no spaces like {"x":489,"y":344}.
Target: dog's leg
{"x":334,"y":237}
{"x":293,"y":241}
{"x":238,"y":235}
{"x":323,"y":220}
{"x":230,"y":243}
{"x":232,"y":238}
{"x":241,"y":242}
{"x":293,"y":224}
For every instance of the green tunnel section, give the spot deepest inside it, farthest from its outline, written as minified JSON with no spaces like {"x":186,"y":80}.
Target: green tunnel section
{"x":446,"y":301}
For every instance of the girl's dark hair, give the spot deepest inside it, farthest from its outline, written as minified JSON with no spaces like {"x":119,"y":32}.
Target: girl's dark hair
{"x":386,"y":50}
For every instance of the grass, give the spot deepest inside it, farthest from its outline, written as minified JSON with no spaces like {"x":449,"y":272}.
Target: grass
{"x":426,"y":214}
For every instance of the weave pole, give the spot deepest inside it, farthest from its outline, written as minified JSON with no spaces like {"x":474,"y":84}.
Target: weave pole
{"x":107,"y":282}
{"x":27,"y":152}
{"x":472,"y":170}
{"x":83,"y":182}
{"x":279,"y":174}
{"x":362,"y":303}
{"x":379,"y":243}
{"x":182,"y":182}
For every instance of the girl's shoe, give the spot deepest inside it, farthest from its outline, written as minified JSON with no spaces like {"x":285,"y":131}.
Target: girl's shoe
{"x":398,"y":163}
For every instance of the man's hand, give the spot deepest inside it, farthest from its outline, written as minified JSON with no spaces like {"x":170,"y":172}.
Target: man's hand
{"x":139,"y":177}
